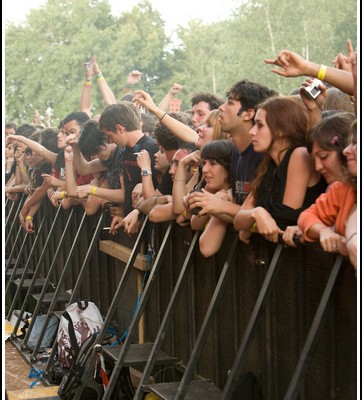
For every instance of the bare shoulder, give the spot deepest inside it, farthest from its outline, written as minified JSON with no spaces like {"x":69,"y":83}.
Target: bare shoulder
{"x":301,"y":155}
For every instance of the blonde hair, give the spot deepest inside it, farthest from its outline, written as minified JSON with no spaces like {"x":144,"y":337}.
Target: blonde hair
{"x":214,"y":120}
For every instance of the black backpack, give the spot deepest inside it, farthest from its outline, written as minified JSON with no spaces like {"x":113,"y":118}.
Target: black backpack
{"x":78,"y":385}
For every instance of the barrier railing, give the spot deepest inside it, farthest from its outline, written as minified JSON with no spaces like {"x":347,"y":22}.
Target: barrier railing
{"x":272,"y":334}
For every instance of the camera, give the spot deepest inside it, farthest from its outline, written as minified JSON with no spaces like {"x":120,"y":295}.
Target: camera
{"x":195,"y":210}
{"x":313,"y":88}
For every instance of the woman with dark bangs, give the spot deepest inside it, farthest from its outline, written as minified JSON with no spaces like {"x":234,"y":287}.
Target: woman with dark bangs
{"x":215,"y":161}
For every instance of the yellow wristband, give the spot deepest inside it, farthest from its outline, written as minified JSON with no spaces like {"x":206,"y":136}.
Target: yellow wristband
{"x":253,"y":228}
{"x":87,"y":83}
{"x":62,"y":195}
{"x":185,"y":214}
{"x":28,"y":218}
{"x":322,"y":72}
{"x":93,"y":190}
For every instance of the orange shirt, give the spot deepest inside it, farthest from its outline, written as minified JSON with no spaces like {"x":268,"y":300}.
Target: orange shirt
{"x":331,"y":208}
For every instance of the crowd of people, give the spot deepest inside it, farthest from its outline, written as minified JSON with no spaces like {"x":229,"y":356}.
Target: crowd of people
{"x":282,"y":166}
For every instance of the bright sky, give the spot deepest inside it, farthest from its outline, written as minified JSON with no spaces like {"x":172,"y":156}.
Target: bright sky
{"x":177,"y":12}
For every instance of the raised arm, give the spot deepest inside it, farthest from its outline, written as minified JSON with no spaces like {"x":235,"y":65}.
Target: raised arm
{"x":103,"y":87}
{"x":85,"y":98}
{"x":182,"y":131}
{"x":83,"y":166}
{"x":292,"y":64}
{"x":165,"y":102}
{"x":35,"y":146}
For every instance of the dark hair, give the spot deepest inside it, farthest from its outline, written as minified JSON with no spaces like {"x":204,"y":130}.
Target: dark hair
{"x":211,"y":99}
{"x":25,"y":130}
{"x":78,"y":116}
{"x":220,"y":151}
{"x":91,"y":138}
{"x":249,"y":94}
{"x":35,"y":137}
{"x":10,"y":125}
{"x":48,"y":138}
{"x":165,"y":137}
{"x":127,"y":97}
{"x":148,"y":123}
{"x":124,"y":113}
{"x":331,"y":134}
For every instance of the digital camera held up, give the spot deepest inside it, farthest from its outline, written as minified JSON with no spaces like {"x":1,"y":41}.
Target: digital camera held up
{"x":313,"y":89}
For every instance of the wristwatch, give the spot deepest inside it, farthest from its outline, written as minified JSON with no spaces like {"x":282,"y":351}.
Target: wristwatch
{"x":146,"y":172}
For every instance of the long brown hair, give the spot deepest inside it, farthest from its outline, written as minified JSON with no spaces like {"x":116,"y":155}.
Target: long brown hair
{"x":286,"y":119}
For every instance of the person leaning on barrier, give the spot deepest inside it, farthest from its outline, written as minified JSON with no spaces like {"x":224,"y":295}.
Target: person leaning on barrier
{"x":286,"y":182}
{"x":102,"y":157}
{"x":326,"y":220}
{"x":150,"y":195}
{"x":71,"y":125}
{"x":326,"y":143}
{"x":37,"y":187}
{"x":19,"y":173}
{"x":121,"y":122}
{"x":216,"y":158}
{"x":163,"y":211}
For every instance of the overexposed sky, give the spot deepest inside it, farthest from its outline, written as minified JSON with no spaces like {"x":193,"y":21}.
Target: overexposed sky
{"x":174,"y":12}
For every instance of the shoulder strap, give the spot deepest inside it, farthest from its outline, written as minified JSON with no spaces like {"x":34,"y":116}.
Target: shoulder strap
{"x":73,"y":339}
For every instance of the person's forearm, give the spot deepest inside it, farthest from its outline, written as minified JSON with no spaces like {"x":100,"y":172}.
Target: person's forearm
{"x":162,"y":213}
{"x":70,"y":181}
{"x":148,"y":204}
{"x":179,"y":129}
{"x":148,"y":189}
{"x":179,"y":189}
{"x":228,"y":211}
{"x":40,"y":149}
{"x":83,"y":166}
{"x":85,"y":98}
{"x":244,"y":219}
{"x":21,"y":174}
{"x":339,"y":78}
{"x":15,"y":189}
{"x":165,"y":102}
{"x":38,"y":195}
{"x":105,"y":90}
{"x":112,"y":195}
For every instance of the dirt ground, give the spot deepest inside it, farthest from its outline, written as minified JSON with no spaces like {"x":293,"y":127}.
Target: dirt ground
{"x":17,"y":381}
{"x":16,"y":369}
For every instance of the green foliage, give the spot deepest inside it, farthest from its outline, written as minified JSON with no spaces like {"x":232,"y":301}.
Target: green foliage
{"x":44,"y":57}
